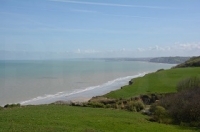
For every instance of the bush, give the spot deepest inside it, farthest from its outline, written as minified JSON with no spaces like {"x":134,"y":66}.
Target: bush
{"x":131,"y":106}
{"x":135,"y":106}
{"x":152,"y":108}
{"x":11,"y":105}
{"x":159,"y":114}
{"x":184,"y":106}
{"x":108,"y":106}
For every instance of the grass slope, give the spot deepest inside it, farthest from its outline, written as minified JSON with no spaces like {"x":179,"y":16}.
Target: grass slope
{"x":158,"y":82}
{"x":193,"y":62}
{"x":61,"y":118}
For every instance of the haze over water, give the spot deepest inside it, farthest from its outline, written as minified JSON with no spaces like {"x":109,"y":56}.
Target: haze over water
{"x":29,"y":81}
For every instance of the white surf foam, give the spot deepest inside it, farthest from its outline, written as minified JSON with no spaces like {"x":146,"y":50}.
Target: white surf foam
{"x":55,"y":97}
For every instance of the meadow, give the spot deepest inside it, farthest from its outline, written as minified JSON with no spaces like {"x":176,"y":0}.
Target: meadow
{"x":60,"y":118}
{"x":164,"y":81}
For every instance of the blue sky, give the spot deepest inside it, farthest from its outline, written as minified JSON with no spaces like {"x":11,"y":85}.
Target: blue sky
{"x":98,"y":28}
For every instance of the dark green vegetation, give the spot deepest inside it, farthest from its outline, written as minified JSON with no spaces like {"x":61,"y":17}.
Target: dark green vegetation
{"x":11,"y":105}
{"x":170,"y":60}
{"x":193,"y":62}
{"x":182,"y":107}
{"x":133,"y":104}
{"x":164,"y":81}
{"x":63,"y":118}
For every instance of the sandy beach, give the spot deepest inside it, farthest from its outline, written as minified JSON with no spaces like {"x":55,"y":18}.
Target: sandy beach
{"x":83,"y":95}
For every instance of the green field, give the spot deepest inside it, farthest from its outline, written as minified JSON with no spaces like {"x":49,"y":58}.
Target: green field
{"x":158,"y":82}
{"x":62,"y":118}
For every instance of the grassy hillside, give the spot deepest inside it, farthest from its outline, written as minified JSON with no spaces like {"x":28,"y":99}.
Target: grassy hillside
{"x":193,"y":62}
{"x":159,"y":82}
{"x":62,"y":118}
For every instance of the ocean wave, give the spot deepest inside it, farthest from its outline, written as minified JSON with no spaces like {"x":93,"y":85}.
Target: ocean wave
{"x":55,"y":97}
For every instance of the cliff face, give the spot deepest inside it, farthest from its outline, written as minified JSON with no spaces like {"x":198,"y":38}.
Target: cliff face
{"x":170,"y":60}
{"x":193,"y":62}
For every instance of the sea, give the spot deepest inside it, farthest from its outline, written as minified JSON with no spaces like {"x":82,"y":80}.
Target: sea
{"x":33,"y":82}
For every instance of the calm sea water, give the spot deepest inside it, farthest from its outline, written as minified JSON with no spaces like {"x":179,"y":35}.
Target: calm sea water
{"x":36,"y":82}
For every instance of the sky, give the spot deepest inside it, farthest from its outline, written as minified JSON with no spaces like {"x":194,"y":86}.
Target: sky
{"x":57,"y":29}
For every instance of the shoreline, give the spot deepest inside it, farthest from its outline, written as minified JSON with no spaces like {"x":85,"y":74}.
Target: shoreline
{"x":62,"y":87}
{"x":83,"y":95}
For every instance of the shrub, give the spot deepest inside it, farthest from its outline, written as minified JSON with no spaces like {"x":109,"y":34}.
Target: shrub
{"x":152,"y":108}
{"x":159,"y":114}
{"x":108,"y":106}
{"x":11,"y":105}
{"x":131,"y":106}
{"x":135,"y":106}
{"x":139,"y":105}
{"x":184,"y":106}
{"x":150,"y":98}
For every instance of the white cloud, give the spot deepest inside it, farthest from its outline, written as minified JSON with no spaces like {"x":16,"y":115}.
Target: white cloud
{"x":176,"y":46}
{"x":155,"y":48}
{"x":178,"y":49}
{"x":189,"y":49}
{"x":141,"y":49}
{"x":91,"y":51}
{"x":78,"y":51}
{"x":87,"y":51}
{"x":187,"y":46}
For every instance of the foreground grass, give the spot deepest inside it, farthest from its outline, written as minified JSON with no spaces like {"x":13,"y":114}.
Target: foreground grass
{"x":61,"y":118}
{"x":158,"y":82}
